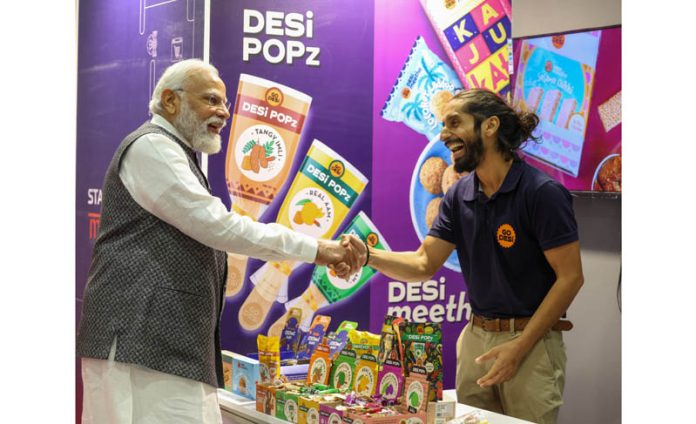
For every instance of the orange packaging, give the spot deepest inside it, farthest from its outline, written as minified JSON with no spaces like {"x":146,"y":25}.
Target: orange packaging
{"x":267,"y":122}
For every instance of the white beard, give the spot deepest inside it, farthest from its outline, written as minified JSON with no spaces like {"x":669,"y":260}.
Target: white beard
{"x":196,"y":132}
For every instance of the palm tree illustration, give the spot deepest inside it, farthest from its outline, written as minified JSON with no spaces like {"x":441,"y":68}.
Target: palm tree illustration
{"x":430,"y":75}
{"x":412,"y":109}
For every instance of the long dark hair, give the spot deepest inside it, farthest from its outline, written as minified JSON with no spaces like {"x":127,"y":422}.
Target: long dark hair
{"x":515,"y":127}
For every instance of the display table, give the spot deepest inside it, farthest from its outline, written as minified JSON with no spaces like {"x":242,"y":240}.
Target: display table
{"x":244,"y":410}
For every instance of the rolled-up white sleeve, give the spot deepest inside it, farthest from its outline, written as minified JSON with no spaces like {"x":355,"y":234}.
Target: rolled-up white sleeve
{"x":156,"y":172}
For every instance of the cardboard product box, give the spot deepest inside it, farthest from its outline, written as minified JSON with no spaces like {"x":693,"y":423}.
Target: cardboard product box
{"x":245,"y":375}
{"x":309,"y":410}
{"x":287,"y":405}
{"x":331,"y":412}
{"x":227,"y":368}
{"x":441,"y":411}
{"x":389,"y":416}
{"x":266,"y":399}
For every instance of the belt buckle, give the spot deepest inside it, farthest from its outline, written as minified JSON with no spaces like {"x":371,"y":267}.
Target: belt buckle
{"x":491,"y":321}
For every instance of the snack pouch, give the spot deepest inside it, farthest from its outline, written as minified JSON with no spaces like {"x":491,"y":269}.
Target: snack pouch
{"x":267,"y":123}
{"x":363,"y":342}
{"x":313,"y":337}
{"x":423,"y":348}
{"x":319,"y":366}
{"x":421,"y":91}
{"x":416,"y":391}
{"x":342,"y":370}
{"x":390,"y":380}
{"x":390,"y":342}
{"x":269,"y":359}
{"x":324,"y":190}
{"x":338,"y":340}
{"x":289,"y":336}
{"x":365,"y":381}
{"x":477,"y":37}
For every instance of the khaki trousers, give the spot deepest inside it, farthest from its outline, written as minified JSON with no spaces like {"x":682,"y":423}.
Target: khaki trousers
{"x":535,"y":393}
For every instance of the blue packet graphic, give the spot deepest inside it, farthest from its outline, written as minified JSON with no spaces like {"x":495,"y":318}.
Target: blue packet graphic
{"x":421,"y":91}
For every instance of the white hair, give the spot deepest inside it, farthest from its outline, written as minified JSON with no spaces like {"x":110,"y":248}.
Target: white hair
{"x":173,"y":79}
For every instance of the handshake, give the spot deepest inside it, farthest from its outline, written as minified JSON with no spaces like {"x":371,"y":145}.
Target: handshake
{"x":344,"y":257}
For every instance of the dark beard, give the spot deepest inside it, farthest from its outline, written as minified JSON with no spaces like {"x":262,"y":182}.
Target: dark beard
{"x":473,"y":152}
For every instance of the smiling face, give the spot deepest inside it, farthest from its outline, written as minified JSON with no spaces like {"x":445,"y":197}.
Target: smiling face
{"x":198,"y":110}
{"x":462,"y":137}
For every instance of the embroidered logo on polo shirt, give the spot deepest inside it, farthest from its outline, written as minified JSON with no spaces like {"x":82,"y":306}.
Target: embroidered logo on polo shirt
{"x":506,"y":236}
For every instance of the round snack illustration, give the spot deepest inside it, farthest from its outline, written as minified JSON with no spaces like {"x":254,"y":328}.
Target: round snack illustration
{"x":242,"y":384}
{"x":432,"y":211}
{"x":388,"y":386}
{"x":318,"y":371}
{"x":291,"y":410}
{"x":431,"y":174}
{"x":414,"y":395}
{"x":308,"y":214}
{"x":449,"y":177}
{"x":342,"y":376}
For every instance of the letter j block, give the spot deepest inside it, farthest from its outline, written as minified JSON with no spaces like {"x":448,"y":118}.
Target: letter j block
{"x":473,"y":53}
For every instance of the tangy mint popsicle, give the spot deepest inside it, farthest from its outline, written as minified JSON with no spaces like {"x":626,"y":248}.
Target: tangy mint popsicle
{"x":326,"y":288}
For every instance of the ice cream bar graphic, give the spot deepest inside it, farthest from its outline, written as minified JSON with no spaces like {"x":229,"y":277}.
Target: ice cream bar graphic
{"x":567,"y":109}
{"x":534,"y":98}
{"x":550,"y":105}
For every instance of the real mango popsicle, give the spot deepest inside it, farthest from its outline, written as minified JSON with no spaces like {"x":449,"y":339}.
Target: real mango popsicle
{"x":323,"y":191}
{"x":267,"y":122}
{"x":326,"y":287}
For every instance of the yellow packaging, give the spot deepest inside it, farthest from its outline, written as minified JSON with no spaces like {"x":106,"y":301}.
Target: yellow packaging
{"x":269,"y":359}
{"x":363,"y":342}
{"x":365,"y":382}
{"x":325,"y":188}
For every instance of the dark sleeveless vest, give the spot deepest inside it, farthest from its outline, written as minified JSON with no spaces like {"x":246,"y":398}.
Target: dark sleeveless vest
{"x":157,"y":290}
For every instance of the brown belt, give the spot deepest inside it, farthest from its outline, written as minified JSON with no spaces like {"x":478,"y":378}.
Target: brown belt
{"x":504,"y":324}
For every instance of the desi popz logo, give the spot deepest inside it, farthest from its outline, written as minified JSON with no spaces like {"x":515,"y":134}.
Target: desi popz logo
{"x":506,"y":236}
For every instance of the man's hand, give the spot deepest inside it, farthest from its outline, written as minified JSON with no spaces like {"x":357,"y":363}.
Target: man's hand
{"x":344,"y":260}
{"x":508,"y":357}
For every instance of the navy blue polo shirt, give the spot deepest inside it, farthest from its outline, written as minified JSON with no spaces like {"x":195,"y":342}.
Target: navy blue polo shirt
{"x":501,"y":240}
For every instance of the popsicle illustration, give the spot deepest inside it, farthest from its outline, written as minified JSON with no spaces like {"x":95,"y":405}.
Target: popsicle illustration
{"x":325,"y":188}
{"x":267,"y":122}
{"x":326,"y":287}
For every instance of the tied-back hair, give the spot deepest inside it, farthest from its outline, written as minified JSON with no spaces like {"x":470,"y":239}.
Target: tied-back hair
{"x":173,"y":79}
{"x":515,"y":127}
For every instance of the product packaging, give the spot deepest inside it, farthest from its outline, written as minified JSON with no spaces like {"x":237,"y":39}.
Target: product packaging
{"x":339,"y":339}
{"x":325,"y":188}
{"x":245,"y":375}
{"x":227,"y":368}
{"x":390,"y":343}
{"x":422,"y":90}
{"x":365,"y":380}
{"x":267,"y":122}
{"x":289,"y":337}
{"x":331,"y":413}
{"x":269,"y":359}
{"x":390,"y":380}
{"x":477,"y":37}
{"x":308,"y":410}
{"x":319,"y":366}
{"x":287,"y":405}
{"x":266,"y":399}
{"x":314,"y":337}
{"x":416,"y":391}
{"x":473,"y":417}
{"x":363,"y":342}
{"x":423,"y":349}
{"x":343,"y":370}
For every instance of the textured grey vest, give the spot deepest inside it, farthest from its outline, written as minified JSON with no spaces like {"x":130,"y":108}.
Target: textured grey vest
{"x":157,"y":290}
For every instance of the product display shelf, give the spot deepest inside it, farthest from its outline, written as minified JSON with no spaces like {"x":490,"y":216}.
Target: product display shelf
{"x":245,"y":409}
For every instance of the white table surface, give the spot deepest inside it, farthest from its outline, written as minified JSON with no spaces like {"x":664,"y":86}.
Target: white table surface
{"x":247,"y":409}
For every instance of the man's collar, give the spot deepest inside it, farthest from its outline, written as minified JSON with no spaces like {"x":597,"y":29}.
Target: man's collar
{"x":509,"y":183}
{"x":160,"y":121}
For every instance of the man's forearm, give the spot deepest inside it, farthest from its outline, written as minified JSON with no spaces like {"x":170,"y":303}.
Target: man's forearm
{"x":556,"y":302}
{"x":402,"y":266}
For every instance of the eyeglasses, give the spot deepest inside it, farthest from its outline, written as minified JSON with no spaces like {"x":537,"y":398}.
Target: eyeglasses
{"x":212,"y":100}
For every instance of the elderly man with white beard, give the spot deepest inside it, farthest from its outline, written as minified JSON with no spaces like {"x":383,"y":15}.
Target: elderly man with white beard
{"x":149,"y":331}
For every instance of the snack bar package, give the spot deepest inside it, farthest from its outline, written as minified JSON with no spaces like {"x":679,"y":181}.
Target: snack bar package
{"x":326,"y":287}
{"x":267,"y":122}
{"x":422,"y":89}
{"x":477,"y":37}
{"x":325,"y":188}
{"x":313,"y":337}
{"x":423,"y":349}
{"x":289,"y":337}
{"x":338,"y":340}
{"x":342,"y":370}
{"x":365,"y":381}
{"x":416,"y":391}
